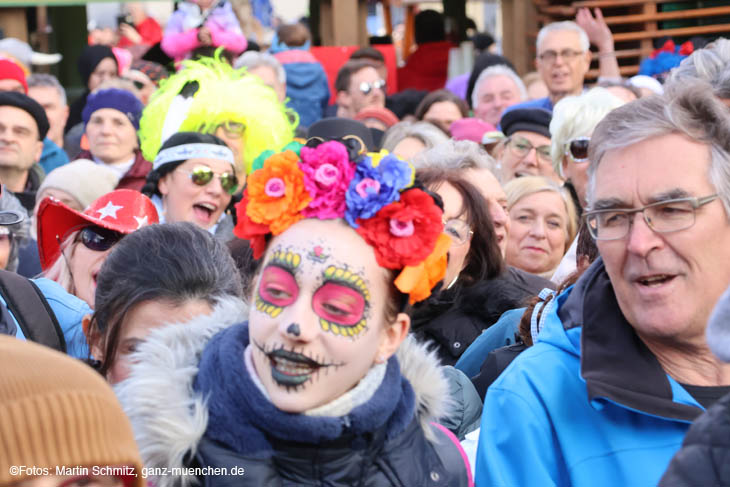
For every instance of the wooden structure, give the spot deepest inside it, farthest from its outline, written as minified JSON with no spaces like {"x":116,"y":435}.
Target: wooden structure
{"x":635,"y":25}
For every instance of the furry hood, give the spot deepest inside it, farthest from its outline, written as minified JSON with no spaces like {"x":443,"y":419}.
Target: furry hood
{"x":169,"y":419}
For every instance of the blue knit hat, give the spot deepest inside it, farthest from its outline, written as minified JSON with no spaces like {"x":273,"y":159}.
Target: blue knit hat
{"x":120,"y":100}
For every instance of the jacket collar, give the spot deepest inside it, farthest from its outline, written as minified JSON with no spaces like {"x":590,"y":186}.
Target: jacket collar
{"x":615,"y":363}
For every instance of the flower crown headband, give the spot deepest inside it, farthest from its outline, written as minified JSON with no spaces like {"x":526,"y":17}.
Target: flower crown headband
{"x":374,"y":193}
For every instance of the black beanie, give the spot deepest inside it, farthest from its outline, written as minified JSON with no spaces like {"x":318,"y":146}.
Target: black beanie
{"x":90,"y":58}
{"x":24,"y":102}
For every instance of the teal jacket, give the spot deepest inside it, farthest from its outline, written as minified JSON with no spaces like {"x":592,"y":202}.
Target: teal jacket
{"x":588,"y":404}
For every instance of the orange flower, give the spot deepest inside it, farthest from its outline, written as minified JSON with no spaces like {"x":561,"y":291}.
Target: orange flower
{"x":276,"y":193}
{"x":418,"y":280}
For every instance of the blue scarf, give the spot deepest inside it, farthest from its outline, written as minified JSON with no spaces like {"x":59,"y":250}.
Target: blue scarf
{"x":240,"y":417}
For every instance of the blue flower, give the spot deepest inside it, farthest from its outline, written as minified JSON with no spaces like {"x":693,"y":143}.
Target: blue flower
{"x":375,"y":187}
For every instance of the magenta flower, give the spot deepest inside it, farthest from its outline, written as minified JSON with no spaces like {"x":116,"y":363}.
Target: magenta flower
{"x":327,"y":175}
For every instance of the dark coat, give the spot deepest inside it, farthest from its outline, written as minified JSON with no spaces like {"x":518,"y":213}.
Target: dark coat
{"x":454,"y":318}
{"x":704,"y":459}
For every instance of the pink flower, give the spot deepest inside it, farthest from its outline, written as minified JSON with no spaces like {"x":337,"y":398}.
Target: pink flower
{"x":327,"y":174}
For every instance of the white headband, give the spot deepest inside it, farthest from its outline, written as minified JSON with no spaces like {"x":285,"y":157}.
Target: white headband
{"x":193,"y":151}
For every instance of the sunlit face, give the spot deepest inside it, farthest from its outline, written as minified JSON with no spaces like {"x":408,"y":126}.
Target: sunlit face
{"x":317,"y":323}
{"x":533,"y":163}
{"x":12,"y":85}
{"x":453,"y":210}
{"x":106,"y":69}
{"x":666,"y":283}
{"x":56,"y":111}
{"x":408,"y":147}
{"x":538,"y":232}
{"x":112,"y":137}
{"x":85,"y":265}
{"x":137,"y":324}
{"x":19,"y":144}
{"x":494,"y":96}
{"x":268,"y":76}
{"x":442,"y":114}
{"x":185,"y":201}
{"x":496,"y":199}
{"x":355,"y":99}
{"x":564,"y":75}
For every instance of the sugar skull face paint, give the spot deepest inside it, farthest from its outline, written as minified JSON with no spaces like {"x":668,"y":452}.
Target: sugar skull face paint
{"x":337,"y":301}
{"x":277,"y":287}
{"x":291,"y":370}
{"x":341,"y":302}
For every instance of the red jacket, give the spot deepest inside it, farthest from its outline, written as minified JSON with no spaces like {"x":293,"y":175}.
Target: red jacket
{"x":426,"y":68}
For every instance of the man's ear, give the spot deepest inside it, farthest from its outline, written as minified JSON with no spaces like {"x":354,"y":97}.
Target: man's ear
{"x":393,"y":337}
{"x":344,"y":99}
{"x":38,"y":151}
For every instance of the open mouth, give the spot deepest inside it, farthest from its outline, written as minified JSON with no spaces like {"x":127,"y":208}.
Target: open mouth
{"x":204,"y":211}
{"x":291,"y":369}
{"x":655,"y":280}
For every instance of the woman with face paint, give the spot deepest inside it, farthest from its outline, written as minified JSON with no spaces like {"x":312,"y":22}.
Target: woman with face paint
{"x":317,"y":383}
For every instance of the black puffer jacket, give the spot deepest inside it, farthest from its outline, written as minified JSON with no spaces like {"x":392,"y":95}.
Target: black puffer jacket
{"x":454,"y":318}
{"x":409,"y":460}
{"x":704,"y":459}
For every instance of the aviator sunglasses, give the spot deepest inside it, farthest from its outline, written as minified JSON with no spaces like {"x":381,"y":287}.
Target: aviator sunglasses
{"x":366,"y":87}
{"x":99,"y":239}
{"x":202,"y":175}
{"x":577,"y":149}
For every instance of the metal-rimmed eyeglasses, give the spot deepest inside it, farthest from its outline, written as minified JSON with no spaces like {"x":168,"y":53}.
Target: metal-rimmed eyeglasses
{"x":521,"y":147}
{"x":366,"y":87}
{"x":459,"y":230}
{"x":662,"y":217}
{"x":551,"y":56}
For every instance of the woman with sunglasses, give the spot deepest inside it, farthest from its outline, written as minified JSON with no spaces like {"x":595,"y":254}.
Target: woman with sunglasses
{"x":304,"y":388}
{"x":574,"y":119}
{"x":74,"y":244}
{"x":193,"y":180}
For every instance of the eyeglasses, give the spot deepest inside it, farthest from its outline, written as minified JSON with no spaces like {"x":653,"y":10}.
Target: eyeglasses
{"x":551,"y":56}
{"x":202,"y":175}
{"x":99,"y":239}
{"x":577,"y":149}
{"x":521,"y":147}
{"x":366,"y":87}
{"x":662,"y":217}
{"x":458,"y":230}
{"x":233,"y":129}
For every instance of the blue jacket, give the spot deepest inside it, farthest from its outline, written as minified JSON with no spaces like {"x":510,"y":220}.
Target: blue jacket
{"x":69,"y":311}
{"x":588,"y":404}
{"x":52,"y":156}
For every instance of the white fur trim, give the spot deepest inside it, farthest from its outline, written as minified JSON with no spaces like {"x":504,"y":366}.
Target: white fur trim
{"x":168,"y":419}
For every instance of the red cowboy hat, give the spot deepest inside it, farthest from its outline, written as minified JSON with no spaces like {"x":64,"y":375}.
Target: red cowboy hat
{"x":123,"y":210}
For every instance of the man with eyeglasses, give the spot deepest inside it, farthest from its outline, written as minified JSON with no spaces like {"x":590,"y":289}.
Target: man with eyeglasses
{"x":358,"y":86}
{"x":526,"y":150}
{"x":621,"y":367}
{"x":564,"y":56}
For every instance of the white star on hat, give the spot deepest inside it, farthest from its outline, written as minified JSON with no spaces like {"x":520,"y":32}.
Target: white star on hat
{"x":141,"y":221}
{"x":109,"y":210}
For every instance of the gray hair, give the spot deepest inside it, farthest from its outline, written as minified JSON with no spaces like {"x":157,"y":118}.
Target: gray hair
{"x":455,"y":155}
{"x":585,"y":44}
{"x":41,"y":79}
{"x":692,"y":111}
{"x":710,"y":64}
{"x":254,"y":59}
{"x":577,"y":116}
{"x":428,"y":134}
{"x":498,"y":70}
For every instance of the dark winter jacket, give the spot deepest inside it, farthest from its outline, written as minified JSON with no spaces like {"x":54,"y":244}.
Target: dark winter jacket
{"x":175,"y":426}
{"x":704,"y":459}
{"x":454,"y":318}
{"x":135,"y":177}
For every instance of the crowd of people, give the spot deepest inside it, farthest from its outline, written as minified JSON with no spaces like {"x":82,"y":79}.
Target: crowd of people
{"x":220,"y":268}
